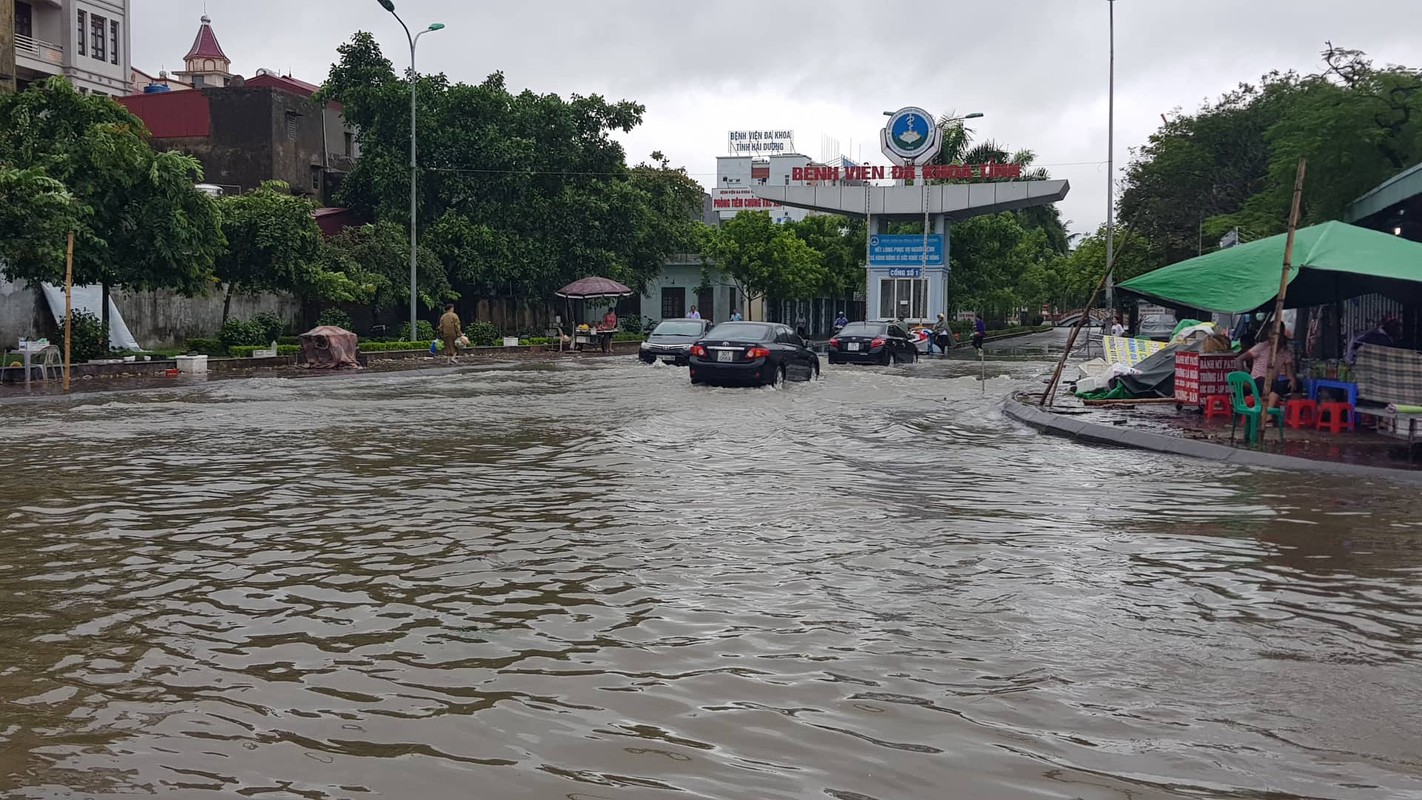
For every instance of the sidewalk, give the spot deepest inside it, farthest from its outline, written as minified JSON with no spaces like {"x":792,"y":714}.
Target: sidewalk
{"x":1163,"y":429}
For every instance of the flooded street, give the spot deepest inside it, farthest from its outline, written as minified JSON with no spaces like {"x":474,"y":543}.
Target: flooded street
{"x":591,"y":580}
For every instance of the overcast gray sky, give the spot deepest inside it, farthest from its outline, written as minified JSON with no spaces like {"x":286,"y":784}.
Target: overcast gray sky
{"x":827,"y":68}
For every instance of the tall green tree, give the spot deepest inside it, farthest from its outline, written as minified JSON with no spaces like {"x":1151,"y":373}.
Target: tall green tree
{"x":36,"y":215}
{"x":764,"y":259}
{"x":519,"y":193}
{"x":1232,"y":163}
{"x":274,"y":245}
{"x":140,"y":223}
{"x":375,"y":261}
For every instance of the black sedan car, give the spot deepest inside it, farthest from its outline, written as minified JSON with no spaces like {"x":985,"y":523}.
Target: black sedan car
{"x":872,"y":343}
{"x":752,"y":354}
{"x":671,"y":340}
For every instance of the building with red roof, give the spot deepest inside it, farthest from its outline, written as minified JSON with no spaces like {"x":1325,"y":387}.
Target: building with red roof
{"x":245,"y":132}
{"x":206,"y":64}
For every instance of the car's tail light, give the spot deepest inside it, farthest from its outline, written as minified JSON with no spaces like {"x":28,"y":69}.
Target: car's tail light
{"x":834,"y":343}
{"x":698,"y":351}
{"x":757,"y":352}
{"x":877,"y":343}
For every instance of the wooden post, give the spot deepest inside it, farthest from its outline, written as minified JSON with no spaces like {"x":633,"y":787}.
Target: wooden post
{"x":1049,"y":395}
{"x":1273,"y":369}
{"x":68,"y":305}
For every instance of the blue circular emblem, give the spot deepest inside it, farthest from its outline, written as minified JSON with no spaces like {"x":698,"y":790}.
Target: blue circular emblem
{"x":911,"y":135}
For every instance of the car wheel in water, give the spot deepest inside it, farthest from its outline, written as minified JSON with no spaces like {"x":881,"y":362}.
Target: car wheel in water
{"x":777,"y":378}
{"x":886,"y":358}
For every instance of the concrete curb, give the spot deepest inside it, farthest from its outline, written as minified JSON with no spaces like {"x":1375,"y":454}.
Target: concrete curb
{"x":1111,"y":435}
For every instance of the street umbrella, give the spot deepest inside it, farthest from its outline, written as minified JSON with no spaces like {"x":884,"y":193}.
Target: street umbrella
{"x":593,"y":288}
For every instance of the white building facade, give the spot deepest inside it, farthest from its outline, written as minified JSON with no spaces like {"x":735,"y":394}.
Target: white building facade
{"x":86,"y":41}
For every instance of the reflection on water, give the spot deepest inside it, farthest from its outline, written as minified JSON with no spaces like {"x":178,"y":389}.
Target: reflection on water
{"x":593,"y":581}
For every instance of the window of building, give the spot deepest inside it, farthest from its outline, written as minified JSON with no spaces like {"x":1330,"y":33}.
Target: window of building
{"x":350,"y":144}
{"x":906,"y":296}
{"x":83,"y":32}
{"x":24,"y":19}
{"x":198,"y":82}
{"x":113,"y":41}
{"x":291,"y":125}
{"x":316,"y":179}
{"x":673,"y":302}
{"x":98,"y":37}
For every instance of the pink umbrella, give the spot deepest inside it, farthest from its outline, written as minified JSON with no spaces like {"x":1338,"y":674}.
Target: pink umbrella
{"x":592,"y":288}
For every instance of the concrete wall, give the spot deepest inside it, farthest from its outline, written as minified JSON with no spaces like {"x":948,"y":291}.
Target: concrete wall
{"x":158,"y":320}
{"x":164,"y":319}
{"x":19,"y":313}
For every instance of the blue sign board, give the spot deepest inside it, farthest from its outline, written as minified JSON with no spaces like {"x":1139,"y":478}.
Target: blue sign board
{"x":905,"y":272}
{"x":905,"y":250}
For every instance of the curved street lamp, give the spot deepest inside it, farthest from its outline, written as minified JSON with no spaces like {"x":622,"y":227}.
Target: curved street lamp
{"x":389,"y":5}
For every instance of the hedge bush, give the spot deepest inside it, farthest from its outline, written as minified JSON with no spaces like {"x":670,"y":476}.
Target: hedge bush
{"x":424,"y":332}
{"x":240,"y":332}
{"x":207,"y":347}
{"x":381,"y":347}
{"x":246,"y":351}
{"x":336,"y":317}
{"x":271,"y":325}
{"x":87,"y":340}
{"x":483,"y":334}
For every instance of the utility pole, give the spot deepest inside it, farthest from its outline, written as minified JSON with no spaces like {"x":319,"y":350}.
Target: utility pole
{"x":1111,"y":162}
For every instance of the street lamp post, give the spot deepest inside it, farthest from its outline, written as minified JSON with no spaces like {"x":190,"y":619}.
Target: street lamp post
{"x":389,"y":5}
{"x":1111,"y":165}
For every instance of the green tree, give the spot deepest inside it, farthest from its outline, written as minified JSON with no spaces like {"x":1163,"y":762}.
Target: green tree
{"x":764,"y":259}
{"x":839,"y":244}
{"x":518,"y":193}
{"x":1232,"y":164}
{"x":140,"y":223}
{"x":274,"y":245}
{"x":375,"y":261}
{"x":36,"y":216}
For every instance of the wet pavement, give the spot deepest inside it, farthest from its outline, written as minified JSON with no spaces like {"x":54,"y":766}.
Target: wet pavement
{"x":587,"y":579}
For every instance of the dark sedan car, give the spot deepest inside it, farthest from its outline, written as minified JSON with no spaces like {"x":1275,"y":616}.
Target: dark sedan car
{"x":872,"y":343}
{"x":671,"y":340}
{"x":752,"y":353}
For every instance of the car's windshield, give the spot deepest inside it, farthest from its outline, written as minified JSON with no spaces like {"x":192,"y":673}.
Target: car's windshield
{"x":741,"y":332}
{"x":863,"y":329}
{"x":678,"y":327}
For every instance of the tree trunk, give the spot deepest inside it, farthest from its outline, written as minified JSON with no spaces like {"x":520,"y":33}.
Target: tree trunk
{"x":104,"y":315}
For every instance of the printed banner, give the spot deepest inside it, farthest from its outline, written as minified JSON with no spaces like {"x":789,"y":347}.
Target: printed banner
{"x":1121,"y":350}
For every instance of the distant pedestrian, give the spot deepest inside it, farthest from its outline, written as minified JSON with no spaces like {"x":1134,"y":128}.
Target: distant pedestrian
{"x":450,"y":329}
{"x":1118,"y":328}
{"x":694,"y":314}
{"x":736,"y":315}
{"x":800,"y":327}
{"x":840,"y":321}
{"x":979,"y":333}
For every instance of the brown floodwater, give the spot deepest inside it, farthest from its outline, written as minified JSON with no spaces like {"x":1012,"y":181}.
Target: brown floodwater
{"x":591,"y":580}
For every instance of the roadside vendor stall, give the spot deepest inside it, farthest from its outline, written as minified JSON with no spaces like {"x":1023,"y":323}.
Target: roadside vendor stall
{"x":586,"y":335}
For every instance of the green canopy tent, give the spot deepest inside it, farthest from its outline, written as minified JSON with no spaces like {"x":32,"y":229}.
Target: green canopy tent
{"x":1333,"y":261}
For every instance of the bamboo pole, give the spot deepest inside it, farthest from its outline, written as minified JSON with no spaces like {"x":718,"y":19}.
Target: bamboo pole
{"x":1049,"y":395}
{"x":68,"y":305}
{"x":1273,"y":369}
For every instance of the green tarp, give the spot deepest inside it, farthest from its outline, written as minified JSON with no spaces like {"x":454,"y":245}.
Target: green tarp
{"x":1332,"y":261}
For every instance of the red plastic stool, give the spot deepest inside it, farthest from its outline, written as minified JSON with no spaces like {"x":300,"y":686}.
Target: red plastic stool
{"x":1301,"y":413}
{"x":1334,"y":416}
{"x":1217,"y":405}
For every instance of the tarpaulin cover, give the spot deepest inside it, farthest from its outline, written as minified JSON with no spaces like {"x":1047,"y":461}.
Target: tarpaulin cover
{"x":330,"y":347}
{"x":1332,"y":261}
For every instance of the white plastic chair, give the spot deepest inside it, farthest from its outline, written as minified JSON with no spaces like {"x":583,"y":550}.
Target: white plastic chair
{"x":52,"y":360}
